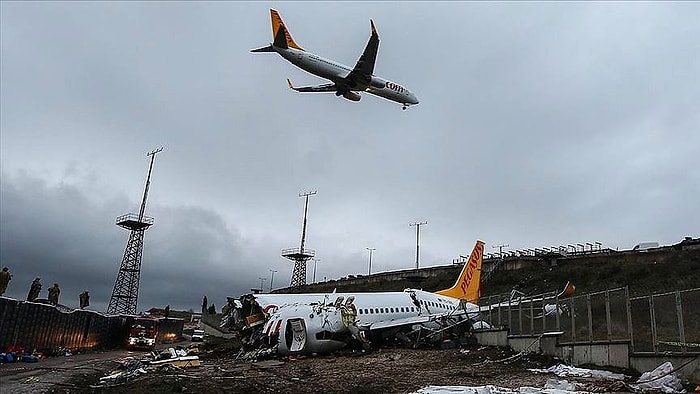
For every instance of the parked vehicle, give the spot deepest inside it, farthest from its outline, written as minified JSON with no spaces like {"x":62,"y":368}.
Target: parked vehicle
{"x":143,"y":333}
{"x":198,"y":335}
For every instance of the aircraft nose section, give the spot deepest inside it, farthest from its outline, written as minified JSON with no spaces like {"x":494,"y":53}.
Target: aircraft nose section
{"x":414,"y":99}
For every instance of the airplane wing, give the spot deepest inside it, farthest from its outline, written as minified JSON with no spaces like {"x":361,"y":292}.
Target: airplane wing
{"x":326,"y":87}
{"x":362,"y":73}
{"x":409,"y":321}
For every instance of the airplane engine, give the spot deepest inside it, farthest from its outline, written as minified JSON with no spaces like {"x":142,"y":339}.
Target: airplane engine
{"x":377,"y":82}
{"x":352,"y":96}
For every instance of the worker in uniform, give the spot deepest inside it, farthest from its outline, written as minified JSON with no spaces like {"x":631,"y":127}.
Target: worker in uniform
{"x":349,"y":314}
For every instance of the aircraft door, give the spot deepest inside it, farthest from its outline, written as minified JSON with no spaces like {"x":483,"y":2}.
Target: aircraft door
{"x":295,"y":335}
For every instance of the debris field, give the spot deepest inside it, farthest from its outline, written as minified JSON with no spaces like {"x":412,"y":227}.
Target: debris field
{"x":386,"y":370}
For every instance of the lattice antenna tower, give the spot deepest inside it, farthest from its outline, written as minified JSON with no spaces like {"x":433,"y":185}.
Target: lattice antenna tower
{"x":125,"y":294}
{"x":300,"y":255}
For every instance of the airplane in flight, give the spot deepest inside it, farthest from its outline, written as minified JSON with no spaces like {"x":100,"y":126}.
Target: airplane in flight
{"x":322,"y":323}
{"x":345,"y":81}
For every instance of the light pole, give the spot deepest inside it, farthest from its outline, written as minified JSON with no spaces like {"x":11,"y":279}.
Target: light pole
{"x":369,"y":270}
{"x":314,"y":277}
{"x":417,"y":226}
{"x":272,"y":277}
{"x":261,"y":283}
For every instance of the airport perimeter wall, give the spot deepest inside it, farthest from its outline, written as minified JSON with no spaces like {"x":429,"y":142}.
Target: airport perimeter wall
{"x":45,"y":328}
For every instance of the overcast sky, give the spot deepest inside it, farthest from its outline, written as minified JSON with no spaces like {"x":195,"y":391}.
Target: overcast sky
{"x":539,"y":124}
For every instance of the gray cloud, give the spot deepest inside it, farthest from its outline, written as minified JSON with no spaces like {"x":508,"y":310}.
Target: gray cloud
{"x":539,"y":124}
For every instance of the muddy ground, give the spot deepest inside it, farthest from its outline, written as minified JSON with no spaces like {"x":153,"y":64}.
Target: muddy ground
{"x":387,"y":370}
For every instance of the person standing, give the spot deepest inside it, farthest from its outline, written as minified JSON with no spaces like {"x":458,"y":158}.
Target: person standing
{"x":5,"y":277}
{"x":84,"y":299}
{"x":54,"y":292}
{"x":34,"y":289}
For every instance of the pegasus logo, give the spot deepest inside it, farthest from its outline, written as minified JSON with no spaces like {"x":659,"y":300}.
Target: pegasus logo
{"x":472,"y":264}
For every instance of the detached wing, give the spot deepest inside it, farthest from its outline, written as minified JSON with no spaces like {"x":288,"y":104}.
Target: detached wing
{"x":407,"y":321}
{"x":410,"y":321}
{"x":361,"y":75}
{"x":326,"y":87}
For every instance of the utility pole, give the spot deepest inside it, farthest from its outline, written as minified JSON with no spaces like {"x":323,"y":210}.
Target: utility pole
{"x":272,"y":278}
{"x":261,"y":284}
{"x":315,"y":262}
{"x":500,"y":249}
{"x":369,"y":270}
{"x":417,"y":226}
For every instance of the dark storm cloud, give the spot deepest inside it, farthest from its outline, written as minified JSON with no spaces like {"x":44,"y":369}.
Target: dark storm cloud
{"x":539,"y":124}
{"x":56,"y":232}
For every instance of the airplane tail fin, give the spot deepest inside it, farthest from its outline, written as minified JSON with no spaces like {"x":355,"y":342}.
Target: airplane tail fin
{"x":280,"y":34}
{"x":468,"y":284}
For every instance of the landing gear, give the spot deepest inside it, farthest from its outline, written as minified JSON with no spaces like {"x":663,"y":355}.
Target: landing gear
{"x":404,"y":107}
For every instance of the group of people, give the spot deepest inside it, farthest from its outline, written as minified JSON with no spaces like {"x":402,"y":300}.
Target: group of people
{"x":35,"y":289}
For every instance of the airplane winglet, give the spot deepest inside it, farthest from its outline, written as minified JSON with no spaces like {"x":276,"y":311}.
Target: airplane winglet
{"x":374,"y":29}
{"x":289,"y":83}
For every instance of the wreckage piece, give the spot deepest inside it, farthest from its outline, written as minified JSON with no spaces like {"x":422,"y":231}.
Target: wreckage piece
{"x":306,"y":329}
{"x":180,"y":362}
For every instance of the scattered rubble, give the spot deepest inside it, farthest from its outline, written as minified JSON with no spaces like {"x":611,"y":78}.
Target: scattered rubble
{"x":169,"y":360}
{"x":662,"y":379}
{"x":468,"y":369}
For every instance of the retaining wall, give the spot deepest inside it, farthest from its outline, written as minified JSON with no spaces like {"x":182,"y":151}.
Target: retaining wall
{"x":45,"y":328}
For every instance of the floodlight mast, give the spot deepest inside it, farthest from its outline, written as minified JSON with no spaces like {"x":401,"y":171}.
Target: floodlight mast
{"x":124,"y":299}
{"x":301,"y":255}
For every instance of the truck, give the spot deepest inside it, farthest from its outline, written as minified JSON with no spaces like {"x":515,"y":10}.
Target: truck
{"x":143,"y":333}
{"x":645,"y":246}
{"x":198,"y":335}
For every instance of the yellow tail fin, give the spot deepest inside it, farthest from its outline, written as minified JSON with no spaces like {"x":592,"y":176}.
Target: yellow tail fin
{"x":468,"y":284}
{"x":283,"y":38}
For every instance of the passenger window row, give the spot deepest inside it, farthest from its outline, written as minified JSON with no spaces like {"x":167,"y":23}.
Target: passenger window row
{"x":372,"y":311}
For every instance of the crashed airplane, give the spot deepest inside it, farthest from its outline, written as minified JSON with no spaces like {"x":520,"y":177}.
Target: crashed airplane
{"x":296,"y":324}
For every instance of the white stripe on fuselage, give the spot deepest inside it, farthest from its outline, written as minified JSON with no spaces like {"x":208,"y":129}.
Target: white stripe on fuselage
{"x":329,"y":69}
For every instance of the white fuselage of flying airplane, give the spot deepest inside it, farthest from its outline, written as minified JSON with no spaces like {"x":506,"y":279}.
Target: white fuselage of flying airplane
{"x":346,"y":81}
{"x":329,"y":69}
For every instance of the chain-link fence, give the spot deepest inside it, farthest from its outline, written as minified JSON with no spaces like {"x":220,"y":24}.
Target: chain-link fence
{"x":669,"y":322}
{"x":659,"y":323}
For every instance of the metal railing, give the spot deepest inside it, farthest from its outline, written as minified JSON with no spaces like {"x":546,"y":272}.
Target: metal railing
{"x":658,"y":323}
